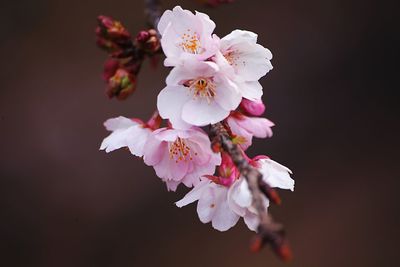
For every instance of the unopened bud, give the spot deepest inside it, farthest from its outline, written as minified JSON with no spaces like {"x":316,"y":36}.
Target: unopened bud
{"x":254,"y":108}
{"x":121,"y":85}
{"x":148,"y":41}
{"x":110,"y":67}
{"x":111,"y":29}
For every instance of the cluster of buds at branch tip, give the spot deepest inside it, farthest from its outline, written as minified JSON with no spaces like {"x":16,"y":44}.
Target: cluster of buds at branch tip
{"x":112,"y":35}
{"x":126,"y":55}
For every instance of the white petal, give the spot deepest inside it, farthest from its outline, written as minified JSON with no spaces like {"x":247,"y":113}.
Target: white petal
{"x":194,"y":194}
{"x":251,"y":90}
{"x":276,"y":175}
{"x":241,"y":193}
{"x":227,"y":94}
{"x":164,"y":21}
{"x":224,"y":218}
{"x":206,"y":205}
{"x":237,"y":36}
{"x":251,"y":220}
{"x":118,"y":123}
{"x":200,"y":113}
{"x":137,"y":139}
{"x":170,"y":103}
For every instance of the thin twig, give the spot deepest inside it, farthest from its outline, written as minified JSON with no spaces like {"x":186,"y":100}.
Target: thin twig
{"x":153,"y":12}
{"x":268,"y":231}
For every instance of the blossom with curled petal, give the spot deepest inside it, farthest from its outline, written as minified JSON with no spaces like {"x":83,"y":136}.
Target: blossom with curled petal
{"x":185,"y":35}
{"x":197,"y":94}
{"x":131,"y":133}
{"x":247,"y":127}
{"x":180,"y":156}
{"x":224,"y":204}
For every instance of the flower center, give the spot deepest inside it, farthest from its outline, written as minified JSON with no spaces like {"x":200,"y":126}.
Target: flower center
{"x":190,"y":43}
{"x":203,"y":88}
{"x":231,"y":57}
{"x":179,"y":151}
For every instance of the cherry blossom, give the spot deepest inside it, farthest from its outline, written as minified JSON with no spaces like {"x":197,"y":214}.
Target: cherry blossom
{"x":131,"y":133}
{"x":180,"y":156}
{"x":250,"y":60}
{"x":223,"y":204}
{"x":197,"y":94}
{"x":185,"y":35}
{"x":247,"y":127}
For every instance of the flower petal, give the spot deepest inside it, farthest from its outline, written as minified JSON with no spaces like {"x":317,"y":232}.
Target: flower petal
{"x":170,"y":103}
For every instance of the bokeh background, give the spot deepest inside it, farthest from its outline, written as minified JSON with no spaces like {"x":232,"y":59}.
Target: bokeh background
{"x":331,"y":94}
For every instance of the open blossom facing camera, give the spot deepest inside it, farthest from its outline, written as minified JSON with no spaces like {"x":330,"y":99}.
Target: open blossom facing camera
{"x":180,"y":156}
{"x":185,"y":35}
{"x":214,"y":84}
{"x":200,"y":94}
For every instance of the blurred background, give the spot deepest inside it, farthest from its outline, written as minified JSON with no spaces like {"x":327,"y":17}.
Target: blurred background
{"x":331,"y":94}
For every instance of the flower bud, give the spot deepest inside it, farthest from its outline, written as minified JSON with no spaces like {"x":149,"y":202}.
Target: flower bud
{"x":255,"y":108}
{"x":148,"y":41}
{"x":110,"y":67}
{"x":111,"y":29}
{"x":121,"y":85}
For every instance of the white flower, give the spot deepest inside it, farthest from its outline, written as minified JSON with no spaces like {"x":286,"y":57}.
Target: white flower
{"x":224,"y":205}
{"x":250,"y":60}
{"x":247,"y":60}
{"x":197,"y":94}
{"x":186,"y":35}
{"x":125,"y":133}
{"x":212,"y":205}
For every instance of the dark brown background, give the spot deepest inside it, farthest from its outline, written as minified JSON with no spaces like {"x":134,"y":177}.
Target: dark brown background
{"x":331,"y":94}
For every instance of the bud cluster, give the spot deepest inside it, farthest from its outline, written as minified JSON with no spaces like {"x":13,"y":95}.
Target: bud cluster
{"x":126,"y":55}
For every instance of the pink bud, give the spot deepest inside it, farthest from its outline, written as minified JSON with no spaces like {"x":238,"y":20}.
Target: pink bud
{"x":227,"y":170}
{"x":255,"y":108}
{"x":110,"y":67}
{"x":121,"y":85}
{"x":148,"y":41}
{"x":111,"y":29}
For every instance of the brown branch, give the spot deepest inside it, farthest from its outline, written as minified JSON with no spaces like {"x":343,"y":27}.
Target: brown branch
{"x":268,"y":231}
{"x":153,"y":12}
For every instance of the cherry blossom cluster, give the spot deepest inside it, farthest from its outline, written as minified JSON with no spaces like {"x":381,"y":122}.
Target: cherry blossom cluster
{"x":212,"y":80}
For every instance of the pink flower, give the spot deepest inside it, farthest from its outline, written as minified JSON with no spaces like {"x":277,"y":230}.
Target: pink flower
{"x":247,"y":127}
{"x":197,"y":94}
{"x":125,"y":133}
{"x":180,"y":156}
{"x":223,"y":205}
{"x":186,"y":35}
